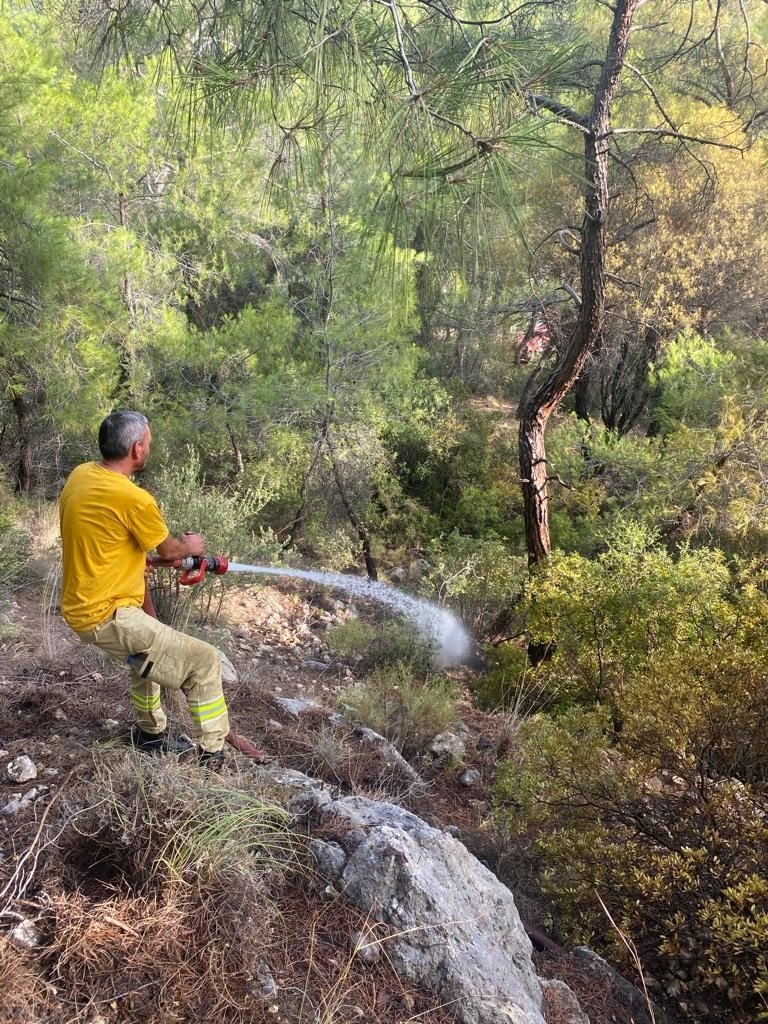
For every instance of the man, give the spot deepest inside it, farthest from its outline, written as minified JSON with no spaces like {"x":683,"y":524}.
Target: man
{"x":108,"y":525}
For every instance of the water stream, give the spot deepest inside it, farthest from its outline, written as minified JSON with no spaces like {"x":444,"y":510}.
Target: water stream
{"x":437,"y":625}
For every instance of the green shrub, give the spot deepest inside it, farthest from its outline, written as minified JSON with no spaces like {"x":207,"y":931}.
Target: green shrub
{"x":373,"y":645}
{"x":480,"y":579}
{"x":226,"y":520}
{"x":408,"y":709}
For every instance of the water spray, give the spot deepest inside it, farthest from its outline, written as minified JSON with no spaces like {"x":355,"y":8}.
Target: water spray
{"x":437,"y":625}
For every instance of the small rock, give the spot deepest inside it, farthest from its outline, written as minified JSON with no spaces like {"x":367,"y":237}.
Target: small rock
{"x":25,"y":935}
{"x":460,"y":727}
{"x":273,"y":725}
{"x":268,"y":984}
{"x":364,"y":948}
{"x":446,"y":746}
{"x":111,"y":724}
{"x":97,"y":677}
{"x":484,"y":743}
{"x":59,"y":715}
{"x":319,"y":666}
{"x":330,"y":859}
{"x":22,"y":769}
{"x":398,"y":576}
{"x":470,"y":777}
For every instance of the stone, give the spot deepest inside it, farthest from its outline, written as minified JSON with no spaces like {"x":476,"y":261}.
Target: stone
{"x":319,"y":666}
{"x":25,"y":935}
{"x":446,"y":746}
{"x":59,"y":715}
{"x":272,"y":725}
{"x":456,"y":929}
{"x":267,"y":983}
{"x":470,"y":777}
{"x":561,"y":1003}
{"x":624,"y":990}
{"x":330,"y":858}
{"x":398,"y":576}
{"x":22,"y":769}
{"x":365,"y":948}
{"x":228,"y":672}
{"x":484,"y":743}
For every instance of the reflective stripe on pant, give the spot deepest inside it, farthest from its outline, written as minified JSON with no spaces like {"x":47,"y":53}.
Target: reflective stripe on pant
{"x":166,"y":658}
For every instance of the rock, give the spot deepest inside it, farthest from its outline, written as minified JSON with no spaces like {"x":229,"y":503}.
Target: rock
{"x":365,"y":948}
{"x":446,"y":746}
{"x":228,"y":673}
{"x":97,"y":677}
{"x":59,"y":715}
{"x":561,"y":1003}
{"x":267,"y":983}
{"x":484,"y":743}
{"x":273,"y":725}
{"x":398,"y":576}
{"x":330,"y":858}
{"x":456,"y":930}
{"x":625,"y":991}
{"x":111,"y":724}
{"x":470,"y":777}
{"x":22,"y":769}
{"x":287,"y":778}
{"x":25,"y":935}
{"x":319,"y":666}
{"x":295,"y":706}
{"x":460,"y":727}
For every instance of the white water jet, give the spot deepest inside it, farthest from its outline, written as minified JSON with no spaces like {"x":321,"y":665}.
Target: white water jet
{"x":452,"y":640}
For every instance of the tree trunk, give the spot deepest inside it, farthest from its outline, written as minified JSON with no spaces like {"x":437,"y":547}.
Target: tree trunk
{"x":539,"y":402}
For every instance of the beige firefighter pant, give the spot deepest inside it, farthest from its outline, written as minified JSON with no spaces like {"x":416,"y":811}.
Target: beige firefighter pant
{"x":166,"y":658}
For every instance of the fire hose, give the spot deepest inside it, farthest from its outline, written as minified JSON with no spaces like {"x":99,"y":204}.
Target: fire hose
{"x":193,"y":569}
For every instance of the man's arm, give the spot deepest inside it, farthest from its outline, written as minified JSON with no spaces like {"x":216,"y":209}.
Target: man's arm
{"x":179,"y":547}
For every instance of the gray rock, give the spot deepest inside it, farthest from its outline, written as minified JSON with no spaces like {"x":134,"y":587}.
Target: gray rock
{"x":456,"y":929}
{"x":276,"y":775}
{"x":632,"y":997}
{"x":228,"y":672}
{"x":471,"y":777}
{"x":330,"y":858}
{"x":398,"y":576}
{"x":446,"y":746}
{"x":267,"y":984}
{"x":484,"y":743}
{"x":22,"y":769}
{"x":365,"y":947}
{"x":319,"y":666}
{"x":295,"y":706}
{"x":25,"y":935}
{"x":561,"y":1003}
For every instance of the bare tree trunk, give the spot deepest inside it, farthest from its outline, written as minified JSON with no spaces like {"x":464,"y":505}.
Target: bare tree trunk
{"x":539,"y":402}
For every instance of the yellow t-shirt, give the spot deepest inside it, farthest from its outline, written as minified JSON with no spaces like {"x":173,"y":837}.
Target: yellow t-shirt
{"x":107,"y":526}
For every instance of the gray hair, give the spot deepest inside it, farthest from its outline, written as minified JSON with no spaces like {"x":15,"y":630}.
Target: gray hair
{"x":120,"y":431}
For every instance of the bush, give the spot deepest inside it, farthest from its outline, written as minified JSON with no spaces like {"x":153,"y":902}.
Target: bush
{"x":480,"y":579}
{"x":374,"y":645}
{"x":226,"y":520}
{"x":409,"y":710}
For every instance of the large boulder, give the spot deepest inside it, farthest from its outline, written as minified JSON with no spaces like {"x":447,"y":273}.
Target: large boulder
{"x":453,"y":927}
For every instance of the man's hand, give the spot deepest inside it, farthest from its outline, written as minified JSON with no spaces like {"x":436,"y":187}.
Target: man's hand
{"x":195,"y":543}
{"x":178,"y":547}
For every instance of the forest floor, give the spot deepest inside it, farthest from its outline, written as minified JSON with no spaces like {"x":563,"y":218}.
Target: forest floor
{"x":66,"y":707}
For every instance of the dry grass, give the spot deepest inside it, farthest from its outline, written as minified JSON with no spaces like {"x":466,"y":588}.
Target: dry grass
{"x":171,"y":898}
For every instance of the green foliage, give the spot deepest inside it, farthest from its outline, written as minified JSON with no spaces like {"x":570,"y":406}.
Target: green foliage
{"x":406,"y":708}
{"x":226,"y":520}
{"x":375,"y":645}
{"x":479,"y":578}
{"x":649,"y":786}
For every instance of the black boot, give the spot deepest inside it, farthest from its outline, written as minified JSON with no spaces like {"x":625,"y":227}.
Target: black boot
{"x":212,"y":760}
{"x":157,"y":742}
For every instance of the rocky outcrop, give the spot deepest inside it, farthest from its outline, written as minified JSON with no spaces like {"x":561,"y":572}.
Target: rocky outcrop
{"x":453,"y":928}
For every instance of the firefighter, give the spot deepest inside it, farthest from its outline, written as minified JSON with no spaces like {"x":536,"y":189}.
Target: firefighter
{"x":108,"y":525}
